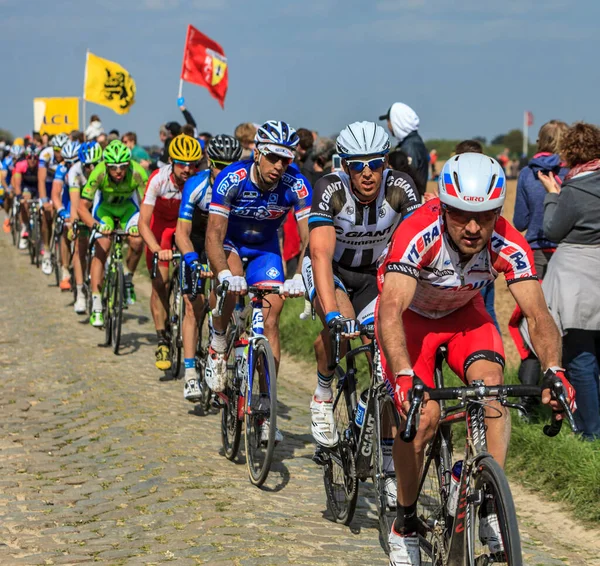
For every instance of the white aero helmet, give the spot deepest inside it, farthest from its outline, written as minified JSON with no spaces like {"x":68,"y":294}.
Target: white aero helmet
{"x":362,"y":138}
{"x":472,"y":182}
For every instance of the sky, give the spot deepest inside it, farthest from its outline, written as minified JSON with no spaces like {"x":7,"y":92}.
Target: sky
{"x":468,"y":68}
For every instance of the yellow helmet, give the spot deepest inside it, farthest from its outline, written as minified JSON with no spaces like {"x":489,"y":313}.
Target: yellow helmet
{"x":185,"y":148}
{"x":19,"y":141}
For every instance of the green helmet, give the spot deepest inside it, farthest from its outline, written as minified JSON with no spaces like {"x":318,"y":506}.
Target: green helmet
{"x":117,"y":152}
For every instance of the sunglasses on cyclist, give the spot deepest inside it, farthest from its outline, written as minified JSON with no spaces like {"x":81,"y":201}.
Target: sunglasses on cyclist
{"x":220,"y":164}
{"x":358,"y":165}
{"x":464,"y":216}
{"x":118,"y":166}
{"x":185,"y":164}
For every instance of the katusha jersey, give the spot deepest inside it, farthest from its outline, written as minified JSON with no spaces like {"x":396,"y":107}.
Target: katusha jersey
{"x":255,"y":215}
{"x":163,"y":194}
{"x":362,"y":230}
{"x":420,"y":248}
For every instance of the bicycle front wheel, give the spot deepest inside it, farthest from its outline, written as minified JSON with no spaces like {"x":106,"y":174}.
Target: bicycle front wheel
{"x":176,"y":307}
{"x":118,"y":298}
{"x":231,"y":417}
{"x":261,"y":412}
{"x":384,"y":476}
{"x":494,"y":534}
{"x":204,"y":337}
{"x":56,"y":257}
{"x":339,"y":469}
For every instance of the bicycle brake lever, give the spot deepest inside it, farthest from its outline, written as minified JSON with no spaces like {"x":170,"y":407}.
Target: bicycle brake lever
{"x":553,"y":428}
{"x":409,"y":433}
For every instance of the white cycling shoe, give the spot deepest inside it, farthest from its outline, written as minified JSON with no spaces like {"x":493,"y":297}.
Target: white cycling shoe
{"x":215,"y":373}
{"x":80,"y":307}
{"x":404,"y":551}
{"x":23,"y":242}
{"x":191,"y":390}
{"x":489,"y":533}
{"x":322,"y":423}
{"x":264,"y":433}
{"x":391,"y":492}
{"x":46,"y":264}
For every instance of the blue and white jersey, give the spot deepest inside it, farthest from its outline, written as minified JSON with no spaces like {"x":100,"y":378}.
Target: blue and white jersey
{"x":254,"y":215}
{"x":61,"y":175}
{"x":196,"y":196}
{"x":7,"y":164}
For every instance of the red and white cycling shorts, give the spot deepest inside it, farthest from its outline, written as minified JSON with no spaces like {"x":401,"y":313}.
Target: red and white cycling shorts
{"x":164,"y":232}
{"x":468,"y":333}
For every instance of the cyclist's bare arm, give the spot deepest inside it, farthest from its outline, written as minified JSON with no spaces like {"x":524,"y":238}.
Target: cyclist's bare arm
{"x":215,"y":236}
{"x":396,"y":296}
{"x":147,"y":235}
{"x":322,"y":247}
{"x":84,"y":212}
{"x":544,"y":334}
{"x":57,"y":187}
{"x":16,"y":183}
{"x":304,"y":237}
{"x":75,"y":197}
{"x":182,"y":237}
{"x":3,"y":177}
{"x":42,"y":176}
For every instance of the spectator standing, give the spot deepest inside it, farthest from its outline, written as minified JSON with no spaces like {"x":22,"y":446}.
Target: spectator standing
{"x":245,"y":135}
{"x":403,"y":124}
{"x":138,"y":153}
{"x":398,"y":160}
{"x":433,"y":157}
{"x":94,"y":129}
{"x":304,"y":159}
{"x":529,"y":217}
{"x":572,"y":218}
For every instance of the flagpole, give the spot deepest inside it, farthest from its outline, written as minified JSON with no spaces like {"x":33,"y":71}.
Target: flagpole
{"x":525,"y":134}
{"x":87,"y":53}
{"x":180,"y":88}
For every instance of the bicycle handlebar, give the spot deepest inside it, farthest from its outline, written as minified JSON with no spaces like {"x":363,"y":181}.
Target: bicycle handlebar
{"x":155,"y":260}
{"x":500,"y":392}
{"x":335,"y":332}
{"x":258,"y":290}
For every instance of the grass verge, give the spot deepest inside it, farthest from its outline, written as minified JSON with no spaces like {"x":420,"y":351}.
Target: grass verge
{"x":563,"y":468}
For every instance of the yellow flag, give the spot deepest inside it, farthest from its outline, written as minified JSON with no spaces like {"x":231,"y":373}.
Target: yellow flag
{"x":108,"y":84}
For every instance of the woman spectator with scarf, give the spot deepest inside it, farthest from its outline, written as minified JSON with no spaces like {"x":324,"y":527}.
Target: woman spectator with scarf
{"x":571,"y":286}
{"x":529,"y":216}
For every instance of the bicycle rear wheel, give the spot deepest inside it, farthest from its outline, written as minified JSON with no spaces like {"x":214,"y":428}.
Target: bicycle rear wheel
{"x":261,"y":405}
{"x":339,"y":470}
{"x":231,"y":421}
{"x":386,"y":422}
{"x":491,"y":495}
{"x":117,"y":310}
{"x":175,"y":320}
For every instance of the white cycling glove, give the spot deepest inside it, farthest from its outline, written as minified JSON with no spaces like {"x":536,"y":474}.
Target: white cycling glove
{"x":237,"y":283}
{"x":294,"y":287}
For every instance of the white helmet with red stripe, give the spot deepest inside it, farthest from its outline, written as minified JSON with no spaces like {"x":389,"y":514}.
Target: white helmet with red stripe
{"x":473,"y":182}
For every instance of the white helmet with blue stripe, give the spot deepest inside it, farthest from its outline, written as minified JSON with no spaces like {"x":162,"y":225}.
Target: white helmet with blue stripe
{"x":276,"y":137}
{"x":472,"y":182}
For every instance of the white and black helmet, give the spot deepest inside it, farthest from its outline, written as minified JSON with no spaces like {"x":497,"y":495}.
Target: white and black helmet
{"x":70,"y":151}
{"x":224,"y":148}
{"x":472,"y":182}
{"x":362,"y":138}
{"x":59,"y":140}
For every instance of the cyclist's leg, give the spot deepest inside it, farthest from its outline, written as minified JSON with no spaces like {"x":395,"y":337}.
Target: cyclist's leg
{"x":47,"y":221}
{"x":477,"y":353}
{"x":103,"y":215}
{"x":129,"y":214}
{"x":65,"y":252}
{"x":81,"y":244}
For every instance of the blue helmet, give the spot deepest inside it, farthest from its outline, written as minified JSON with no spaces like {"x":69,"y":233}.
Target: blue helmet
{"x":90,"y":152}
{"x":276,"y":137}
{"x":70,"y":151}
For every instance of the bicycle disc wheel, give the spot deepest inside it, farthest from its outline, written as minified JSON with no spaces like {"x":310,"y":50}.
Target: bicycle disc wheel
{"x":231,"y":422}
{"x":261,"y":406}
{"x":201,"y":354}
{"x":339,"y":470}
{"x":117,"y":311}
{"x":386,"y":422}
{"x":491,"y":495}
{"x":431,"y":505}
{"x":175,"y":319}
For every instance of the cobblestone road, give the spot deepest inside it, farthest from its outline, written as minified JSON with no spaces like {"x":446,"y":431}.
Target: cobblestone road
{"x":103,"y":462}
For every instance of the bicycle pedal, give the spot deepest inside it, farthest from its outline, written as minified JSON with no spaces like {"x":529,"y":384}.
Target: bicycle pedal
{"x":216,"y":403}
{"x":320,"y":457}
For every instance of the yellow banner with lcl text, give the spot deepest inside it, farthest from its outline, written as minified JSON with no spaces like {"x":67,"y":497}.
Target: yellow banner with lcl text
{"x":55,"y":115}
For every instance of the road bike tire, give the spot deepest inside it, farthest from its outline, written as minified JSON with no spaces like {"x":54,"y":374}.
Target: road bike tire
{"x":175,"y":319}
{"x":107,"y":303}
{"x":489,"y":479}
{"x":259,"y":455}
{"x":385,"y":412}
{"x":118,"y":303}
{"x":32,"y":242}
{"x":56,"y":258}
{"x":339,"y":469}
{"x":204,"y":337}
{"x":15,"y":226}
{"x":231,"y":417}
{"x":432,"y":501}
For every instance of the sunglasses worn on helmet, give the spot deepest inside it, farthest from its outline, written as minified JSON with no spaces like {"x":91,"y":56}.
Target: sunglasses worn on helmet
{"x":358,"y":165}
{"x":118,"y":166}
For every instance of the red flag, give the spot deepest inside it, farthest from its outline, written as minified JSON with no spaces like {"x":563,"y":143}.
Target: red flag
{"x":529,"y":118}
{"x":205,"y":64}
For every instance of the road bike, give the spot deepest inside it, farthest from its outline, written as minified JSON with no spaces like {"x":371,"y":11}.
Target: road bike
{"x":15,"y":220}
{"x":250,"y":396}
{"x":450,"y":515}
{"x":365,"y":423}
{"x":35,"y":231}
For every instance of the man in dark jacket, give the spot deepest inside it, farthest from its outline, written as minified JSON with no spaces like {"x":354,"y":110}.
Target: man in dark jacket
{"x":403,"y":124}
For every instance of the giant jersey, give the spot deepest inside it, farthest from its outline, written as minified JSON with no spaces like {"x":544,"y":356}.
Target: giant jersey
{"x":420,"y":248}
{"x":255,"y":215}
{"x":363,"y":230}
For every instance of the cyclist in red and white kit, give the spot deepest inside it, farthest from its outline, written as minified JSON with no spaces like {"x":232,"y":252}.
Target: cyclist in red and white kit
{"x":158,"y":220}
{"x":436,"y":264}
